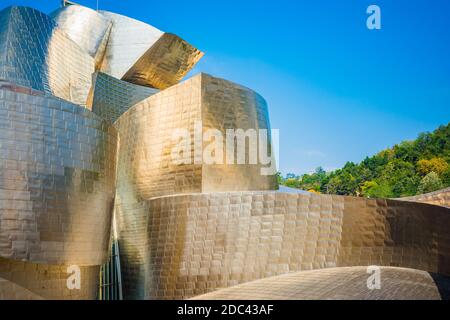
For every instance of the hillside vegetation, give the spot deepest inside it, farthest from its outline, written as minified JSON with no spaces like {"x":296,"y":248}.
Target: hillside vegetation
{"x":406,"y":169}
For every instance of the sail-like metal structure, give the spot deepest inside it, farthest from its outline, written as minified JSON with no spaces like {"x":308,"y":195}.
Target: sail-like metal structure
{"x":91,"y":107}
{"x":57,"y":157}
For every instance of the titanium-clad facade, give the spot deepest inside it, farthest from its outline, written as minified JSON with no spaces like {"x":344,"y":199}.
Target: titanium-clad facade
{"x":36,"y":281}
{"x":86,"y":27}
{"x":146,"y":166}
{"x":35,"y":53}
{"x":58,"y":159}
{"x":112,"y":97}
{"x":439,"y":198}
{"x":143,"y":55}
{"x":93,"y":120}
{"x":165,"y":63}
{"x":347,"y":283}
{"x":199,"y":243}
{"x":128,"y":41}
{"x":57,"y":179}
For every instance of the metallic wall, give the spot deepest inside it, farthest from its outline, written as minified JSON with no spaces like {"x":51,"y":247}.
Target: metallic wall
{"x":35,"y":53}
{"x":128,"y":41}
{"x":165,"y":63}
{"x":439,"y":198}
{"x":145,"y":165}
{"x":184,"y":229}
{"x":57,"y":179}
{"x":112,"y":97}
{"x":226,"y":105}
{"x":345,"y":283}
{"x":31,"y":281}
{"x":141,"y":54}
{"x":193,"y":244}
{"x":86,"y":27}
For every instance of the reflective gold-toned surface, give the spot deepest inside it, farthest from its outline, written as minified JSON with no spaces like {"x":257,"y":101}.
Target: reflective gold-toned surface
{"x":11,"y":291}
{"x":86,"y":27}
{"x":184,"y":229}
{"x":24,"y":280}
{"x":165,"y":63}
{"x":395,"y":233}
{"x":145,"y":166}
{"x":35,"y":53}
{"x":439,"y":198}
{"x":197,"y":243}
{"x":112,"y":97}
{"x":128,"y":41}
{"x":57,"y":179}
{"x":141,"y":54}
{"x":345,"y":283}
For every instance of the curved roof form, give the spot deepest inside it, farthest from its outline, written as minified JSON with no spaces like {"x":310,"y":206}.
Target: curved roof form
{"x":346,"y":283}
{"x":129,"y":40}
{"x":165,"y":63}
{"x":439,"y":197}
{"x":89,"y":29}
{"x":141,"y":54}
{"x":35,"y":53}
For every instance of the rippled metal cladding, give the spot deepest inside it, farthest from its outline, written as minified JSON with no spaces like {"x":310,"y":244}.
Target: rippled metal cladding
{"x":89,"y":101}
{"x":58,"y":159}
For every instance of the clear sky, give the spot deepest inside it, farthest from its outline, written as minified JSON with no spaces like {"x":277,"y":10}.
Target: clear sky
{"x":336,"y":90}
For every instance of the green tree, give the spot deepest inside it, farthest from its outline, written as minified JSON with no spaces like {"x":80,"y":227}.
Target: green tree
{"x":373,"y":189}
{"x":431,"y":182}
{"x":401,"y":177}
{"x":280,"y":178}
{"x":393,"y":172}
{"x":446,"y":178}
{"x":437,"y":165}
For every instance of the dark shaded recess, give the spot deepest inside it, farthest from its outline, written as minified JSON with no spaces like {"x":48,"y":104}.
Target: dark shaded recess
{"x":443,"y":285}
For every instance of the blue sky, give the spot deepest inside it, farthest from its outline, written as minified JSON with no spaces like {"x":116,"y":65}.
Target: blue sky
{"x":336,"y":90}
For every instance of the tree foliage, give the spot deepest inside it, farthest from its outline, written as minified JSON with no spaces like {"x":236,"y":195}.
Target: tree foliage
{"x":431,"y":182}
{"x":406,"y":169}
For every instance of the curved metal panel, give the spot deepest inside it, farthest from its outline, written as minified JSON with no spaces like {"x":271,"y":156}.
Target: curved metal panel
{"x":194,"y":244}
{"x":165,"y":63}
{"x":24,"y":280}
{"x":11,"y":291}
{"x":112,"y":97}
{"x":145,"y":165}
{"x":36,"y":54}
{"x":57,"y":179}
{"x":128,"y":41}
{"x":439,"y":198}
{"x":346,"y":283}
{"x":89,"y":29}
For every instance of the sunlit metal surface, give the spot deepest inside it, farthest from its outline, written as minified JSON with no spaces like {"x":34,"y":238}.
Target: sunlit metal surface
{"x":183,"y":229}
{"x":145,"y":165}
{"x":197,"y":243}
{"x":439,"y":198}
{"x":57,"y":179}
{"x":165,"y":63}
{"x":128,"y":41}
{"x":112,"y":97}
{"x":143,"y":55}
{"x":24,"y":280}
{"x":346,"y":283}
{"x":11,"y":291}
{"x":35,"y":53}
{"x":89,"y":29}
